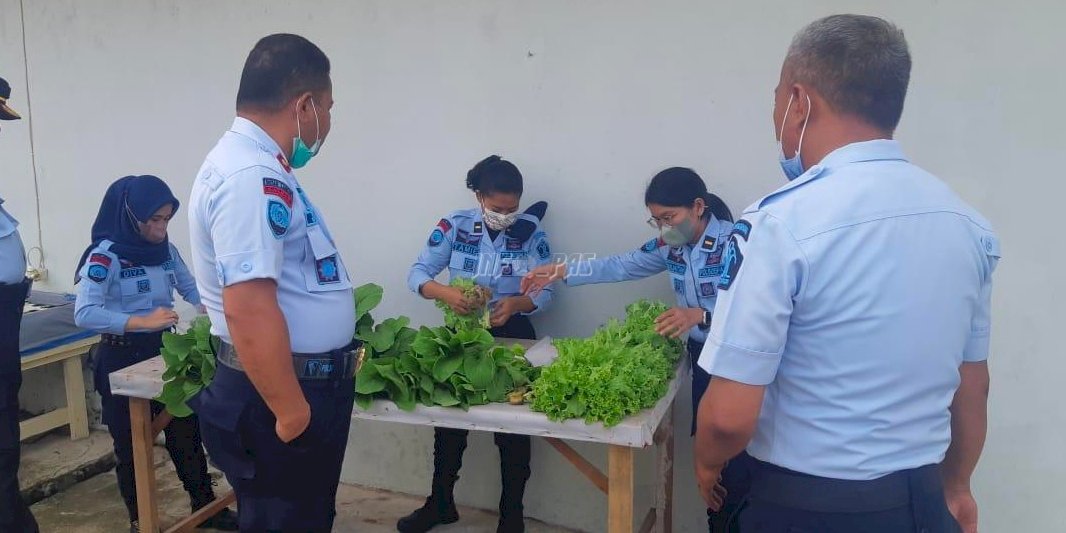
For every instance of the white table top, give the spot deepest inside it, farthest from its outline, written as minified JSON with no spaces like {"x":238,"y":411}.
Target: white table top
{"x":145,"y":380}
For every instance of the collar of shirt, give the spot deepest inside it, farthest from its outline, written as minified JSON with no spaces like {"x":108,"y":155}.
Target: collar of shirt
{"x":710,"y":232}
{"x":247,"y":128}
{"x":859,"y":152}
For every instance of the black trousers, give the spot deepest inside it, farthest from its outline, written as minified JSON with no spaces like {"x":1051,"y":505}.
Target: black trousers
{"x":15,"y":516}
{"x":515,"y":450}
{"x":183,"y":441}
{"x":736,"y":476}
{"x":783,"y":501}
{"x":280,"y":487}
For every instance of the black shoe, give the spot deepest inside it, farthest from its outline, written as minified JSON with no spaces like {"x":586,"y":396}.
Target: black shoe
{"x":511,"y":524}
{"x":135,"y":526}
{"x":224,"y":520}
{"x":430,"y":515}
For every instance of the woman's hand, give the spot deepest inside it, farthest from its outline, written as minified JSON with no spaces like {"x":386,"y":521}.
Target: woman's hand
{"x":676,"y":321}
{"x":159,"y":319}
{"x":541,"y":277}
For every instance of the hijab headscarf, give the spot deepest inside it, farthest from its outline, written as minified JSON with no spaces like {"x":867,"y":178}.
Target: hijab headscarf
{"x":130,"y":200}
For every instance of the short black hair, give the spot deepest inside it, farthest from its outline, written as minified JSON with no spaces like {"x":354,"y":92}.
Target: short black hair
{"x":494,"y":175}
{"x":860,"y":64}
{"x":279,"y":68}
{"x":680,"y":187}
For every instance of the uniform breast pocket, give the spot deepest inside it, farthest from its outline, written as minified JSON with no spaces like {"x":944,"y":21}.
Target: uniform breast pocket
{"x":323,"y":269}
{"x":464,"y":262}
{"x":136,"y":293}
{"x":509,"y":282}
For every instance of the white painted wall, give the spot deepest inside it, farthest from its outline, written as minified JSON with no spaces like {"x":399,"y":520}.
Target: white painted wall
{"x":589,"y":98}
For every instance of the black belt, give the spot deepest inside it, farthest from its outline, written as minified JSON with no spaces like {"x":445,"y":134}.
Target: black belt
{"x":331,"y":365}
{"x":130,"y":339}
{"x":786,"y":488}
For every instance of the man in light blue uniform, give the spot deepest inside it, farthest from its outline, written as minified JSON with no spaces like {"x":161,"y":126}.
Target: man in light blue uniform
{"x":14,"y":288}
{"x":461,"y":243}
{"x":854,"y":310}
{"x":276,"y":417}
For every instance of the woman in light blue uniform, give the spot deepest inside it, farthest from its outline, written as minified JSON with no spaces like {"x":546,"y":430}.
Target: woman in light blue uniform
{"x":694,"y":227}
{"x":494,"y":245}
{"x":125,"y":285}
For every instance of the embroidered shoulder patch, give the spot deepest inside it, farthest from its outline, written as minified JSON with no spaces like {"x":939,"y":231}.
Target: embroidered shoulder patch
{"x":278,"y":189}
{"x":733,"y":258}
{"x":652,"y":245}
{"x":278,"y":217}
{"x":99,"y":266}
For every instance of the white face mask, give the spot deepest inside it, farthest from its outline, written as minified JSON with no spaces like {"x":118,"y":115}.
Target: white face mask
{"x":498,"y":221}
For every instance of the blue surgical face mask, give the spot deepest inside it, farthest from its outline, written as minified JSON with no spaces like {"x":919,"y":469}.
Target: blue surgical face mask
{"x":793,"y":167}
{"x":301,"y":154}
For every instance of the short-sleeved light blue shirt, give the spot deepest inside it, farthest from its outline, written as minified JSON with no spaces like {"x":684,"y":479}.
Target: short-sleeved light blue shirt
{"x":462,"y":244}
{"x":12,"y":254}
{"x":111,"y":289}
{"x":694,"y":269}
{"x":854,"y":293}
{"x":250,"y":219}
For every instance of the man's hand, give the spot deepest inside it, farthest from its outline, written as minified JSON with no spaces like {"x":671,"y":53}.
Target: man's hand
{"x":963,"y":507}
{"x":678,"y":320}
{"x":295,"y":425}
{"x":261,"y":337}
{"x":711,"y":489}
{"x":539,"y":278}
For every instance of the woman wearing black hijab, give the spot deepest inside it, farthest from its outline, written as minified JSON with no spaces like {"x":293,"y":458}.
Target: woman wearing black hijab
{"x":125,"y":281}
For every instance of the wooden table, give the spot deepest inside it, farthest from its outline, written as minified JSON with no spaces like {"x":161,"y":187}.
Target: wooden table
{"x":75,"y":413}
{"x":142,"y":382}
{"x":651,"y":427}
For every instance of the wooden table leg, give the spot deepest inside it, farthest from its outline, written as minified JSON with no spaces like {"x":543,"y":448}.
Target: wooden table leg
{"x":664,"y":498}
{"x":77,"y":413}
{"x":143,"y":464}
{"x":620,"y":489}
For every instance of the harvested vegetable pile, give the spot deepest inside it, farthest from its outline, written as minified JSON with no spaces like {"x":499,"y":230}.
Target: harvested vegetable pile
{"x":478,"y":317}
{"x":623,"y":368}
{"x":433,"y":366}
{"x":190,"y":362}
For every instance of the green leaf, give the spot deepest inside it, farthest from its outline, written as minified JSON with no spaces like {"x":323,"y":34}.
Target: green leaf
{"x":177,"y":345}
{"x":444,"y":397}
{"x":500,"y":386}
{"x":426,"y":383}
{"x":446,"y":366}
{"x":364,"y":401}
{"x":426,"y":343}
{"x":480,"y":369}
{"x":367,"y":297}
{"x":369,"y":381}
{"x":386,"y":369}
{"x":401,"y":395}
{"x":179,"y":410}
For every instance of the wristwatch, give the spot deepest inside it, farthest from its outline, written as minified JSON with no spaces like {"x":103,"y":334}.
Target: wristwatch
{"x":707,"y":315}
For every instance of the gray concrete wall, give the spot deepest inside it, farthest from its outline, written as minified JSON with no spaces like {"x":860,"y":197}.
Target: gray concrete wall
{"x":589,"y":98}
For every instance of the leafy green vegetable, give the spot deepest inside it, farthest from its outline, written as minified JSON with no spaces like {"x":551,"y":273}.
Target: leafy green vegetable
{"x":623,"y":368}
{"x":190,"y":364}
{"x":478,"y":318}
{"x":434,"y":366}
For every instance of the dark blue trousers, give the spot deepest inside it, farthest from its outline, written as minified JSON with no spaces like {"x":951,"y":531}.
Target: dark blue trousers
{"x":183,"y":441}
{"x":15,"y":516}
{"x":783,"y":501}
{"x":280,"y":487}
